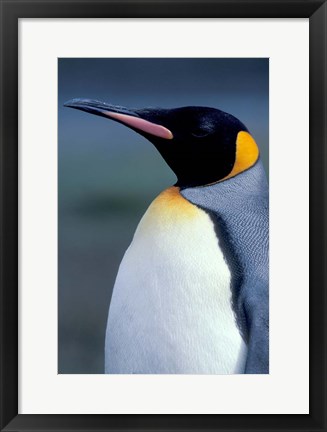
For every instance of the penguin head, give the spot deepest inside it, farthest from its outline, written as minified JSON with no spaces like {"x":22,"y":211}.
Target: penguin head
{"x":201,"y":145}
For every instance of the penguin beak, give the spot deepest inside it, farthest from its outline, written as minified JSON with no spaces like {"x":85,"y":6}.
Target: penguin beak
{"x":128,"y":117}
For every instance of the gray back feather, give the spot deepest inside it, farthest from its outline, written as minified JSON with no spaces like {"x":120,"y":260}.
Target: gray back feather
{"x":239,"y":208}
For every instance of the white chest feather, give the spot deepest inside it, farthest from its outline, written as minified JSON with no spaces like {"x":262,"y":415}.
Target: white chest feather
{"x":171,"y":306}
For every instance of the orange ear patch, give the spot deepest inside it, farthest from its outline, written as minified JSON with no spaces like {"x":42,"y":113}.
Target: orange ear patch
{"x":247,"y":153}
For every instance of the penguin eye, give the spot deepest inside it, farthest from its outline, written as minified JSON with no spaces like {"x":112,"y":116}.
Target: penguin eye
{"x":200,"y":133}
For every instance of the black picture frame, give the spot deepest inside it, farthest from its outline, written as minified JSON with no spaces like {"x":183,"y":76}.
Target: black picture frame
{"x":11,"y":11}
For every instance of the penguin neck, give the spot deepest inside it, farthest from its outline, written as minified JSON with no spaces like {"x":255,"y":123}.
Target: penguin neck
{"x":247,"y":184}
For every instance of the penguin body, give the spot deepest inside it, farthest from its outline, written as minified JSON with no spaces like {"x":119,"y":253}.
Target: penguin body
{"x":191,"y":294}
{"x":171,"y":309}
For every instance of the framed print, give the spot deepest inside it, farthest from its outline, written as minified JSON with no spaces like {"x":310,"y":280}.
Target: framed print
{"x":143,"y":152}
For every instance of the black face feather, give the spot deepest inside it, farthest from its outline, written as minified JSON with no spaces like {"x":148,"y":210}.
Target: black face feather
{"x":203,"y":147}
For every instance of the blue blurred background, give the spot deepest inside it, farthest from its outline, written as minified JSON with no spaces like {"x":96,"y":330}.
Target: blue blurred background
{"x":108,"y":175}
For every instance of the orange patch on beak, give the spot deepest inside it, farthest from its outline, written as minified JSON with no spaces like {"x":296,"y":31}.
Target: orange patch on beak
{"x":142,"y":125}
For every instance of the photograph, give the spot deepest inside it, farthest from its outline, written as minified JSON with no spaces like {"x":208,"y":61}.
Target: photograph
{"x":163,"y":216}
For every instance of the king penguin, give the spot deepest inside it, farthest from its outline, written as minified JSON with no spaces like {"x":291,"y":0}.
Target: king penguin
{"x":191,"y":293}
